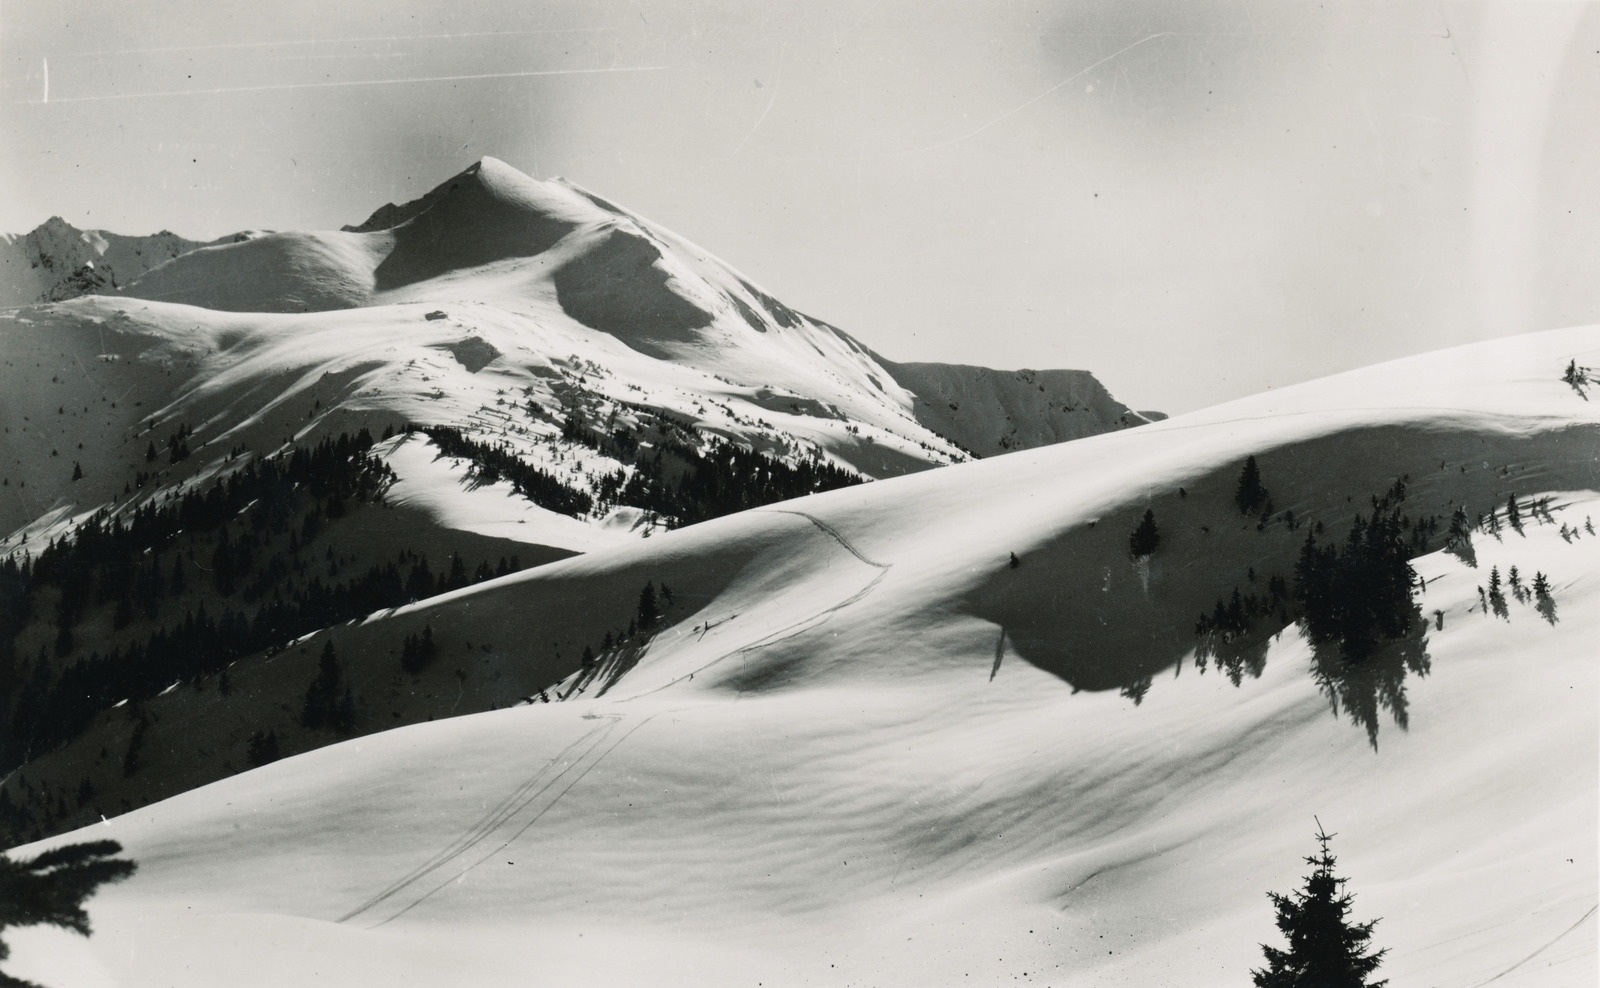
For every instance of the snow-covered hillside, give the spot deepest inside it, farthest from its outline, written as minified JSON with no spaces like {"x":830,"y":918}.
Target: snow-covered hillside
{"x":944,"y":729}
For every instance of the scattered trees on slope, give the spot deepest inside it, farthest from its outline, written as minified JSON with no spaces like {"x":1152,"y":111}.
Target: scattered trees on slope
{"x":262,"y":592}
{"x":417,"y":652}
{"x":682,"y":478}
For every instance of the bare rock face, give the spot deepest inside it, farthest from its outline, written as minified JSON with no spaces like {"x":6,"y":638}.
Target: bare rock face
{"x":58,"y":261}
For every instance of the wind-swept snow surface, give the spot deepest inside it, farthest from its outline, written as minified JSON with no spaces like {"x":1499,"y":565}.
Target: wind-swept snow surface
{"x":868,"y":749}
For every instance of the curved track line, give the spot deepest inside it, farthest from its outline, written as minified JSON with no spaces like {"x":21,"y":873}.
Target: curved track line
{"x":834,"y":533}
{"x":1541,"y":950}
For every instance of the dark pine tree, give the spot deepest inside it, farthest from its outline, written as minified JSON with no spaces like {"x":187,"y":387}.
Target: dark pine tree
{"x":262,"y":748}
{"x":649,"y":610}
{"x":321,"y":707}
{"x":1250,"y":496}
{"x":1145,"y":538}
{"x":417,"y":652}
{"x":1326,"y":950}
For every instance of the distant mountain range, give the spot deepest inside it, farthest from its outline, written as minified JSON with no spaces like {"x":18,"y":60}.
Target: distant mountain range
{"x":495,"y":284}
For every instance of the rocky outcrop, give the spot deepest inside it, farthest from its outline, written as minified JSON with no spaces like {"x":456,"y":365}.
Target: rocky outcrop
{"x":58,"y":261}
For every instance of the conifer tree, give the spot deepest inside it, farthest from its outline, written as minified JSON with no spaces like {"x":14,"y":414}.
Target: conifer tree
{"x":1513,"y":516}
{"x":649,"y":611}
{"x":1145,"y":538}
{"x":1326,"y":950}
{"x":1250,"y":496}
{"x":50,"y":888}
{"x":1546,"y":605}
{"x":322,"y":704}
{"x":261,"y":749}
{"x":1497,"y":596}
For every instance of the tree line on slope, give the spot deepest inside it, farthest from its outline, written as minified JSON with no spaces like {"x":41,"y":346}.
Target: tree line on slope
{"x":1354,"y":599}
{"x":1357,"y":600}
{"x":116,"y":563}
{"x":683,"y":479}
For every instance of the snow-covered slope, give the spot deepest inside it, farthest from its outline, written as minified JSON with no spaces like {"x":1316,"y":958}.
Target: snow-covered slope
{"x":58,"y":261}
{"x":944,"y":730}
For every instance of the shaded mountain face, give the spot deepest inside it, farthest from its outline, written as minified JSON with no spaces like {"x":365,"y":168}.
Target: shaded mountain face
{"x":57,"y":261}
{"x":990,"y":412}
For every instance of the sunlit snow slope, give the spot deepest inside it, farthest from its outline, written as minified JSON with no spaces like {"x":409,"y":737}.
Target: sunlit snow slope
{"x":872,"y":751}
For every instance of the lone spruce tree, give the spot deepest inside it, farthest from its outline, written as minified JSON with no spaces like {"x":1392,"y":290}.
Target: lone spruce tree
{"x":1250,"y":496}
{"x":1325,"y":949}
{"x":1145,"y":538}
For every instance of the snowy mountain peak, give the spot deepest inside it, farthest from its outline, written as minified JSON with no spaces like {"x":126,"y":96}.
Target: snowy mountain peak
{"x":529,"y":315}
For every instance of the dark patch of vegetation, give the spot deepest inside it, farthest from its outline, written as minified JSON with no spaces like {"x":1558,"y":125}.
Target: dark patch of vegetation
{"x":50,"y":889}
{"x":1580,"y":379}
{"x":682,"y":479}
{"x":1362,"y":593}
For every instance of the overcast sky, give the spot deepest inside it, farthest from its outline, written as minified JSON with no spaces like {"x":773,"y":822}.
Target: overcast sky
{"x":1194,"y":200}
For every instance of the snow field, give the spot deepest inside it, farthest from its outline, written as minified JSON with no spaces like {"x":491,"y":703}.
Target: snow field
{"x":850,"y":790}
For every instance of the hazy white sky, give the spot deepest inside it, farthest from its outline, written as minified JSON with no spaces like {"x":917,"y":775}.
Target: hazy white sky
{"x":1194,"y":200}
